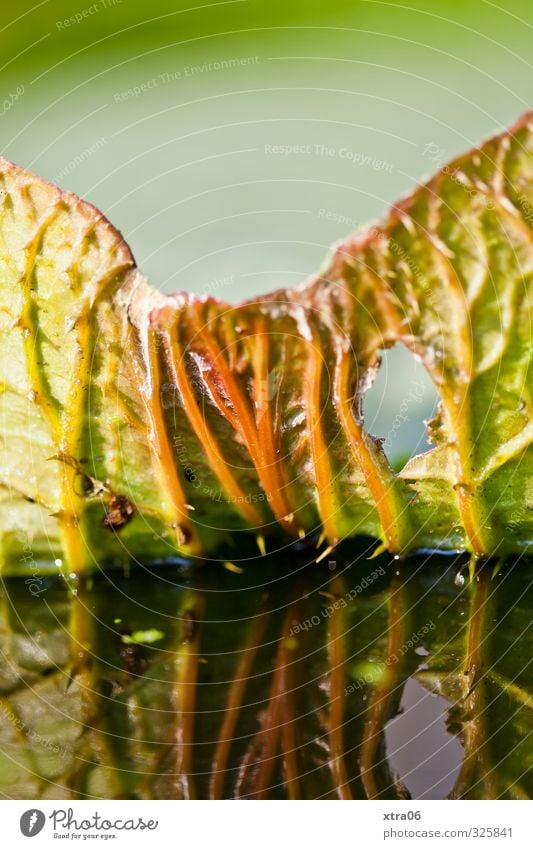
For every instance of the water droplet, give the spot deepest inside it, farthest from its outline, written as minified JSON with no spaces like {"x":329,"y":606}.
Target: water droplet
{"x":58,"y":562}
{"x":459,"y":580}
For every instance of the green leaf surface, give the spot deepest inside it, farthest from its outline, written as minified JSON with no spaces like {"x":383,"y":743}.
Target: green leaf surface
{"x":140,"y":426}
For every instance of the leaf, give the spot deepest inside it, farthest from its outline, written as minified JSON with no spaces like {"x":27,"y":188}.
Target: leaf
{"x":283,"y":690}
{"x":140,"y":426}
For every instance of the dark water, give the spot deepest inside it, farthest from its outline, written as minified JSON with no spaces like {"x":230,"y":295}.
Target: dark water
{"x":351,"y":678}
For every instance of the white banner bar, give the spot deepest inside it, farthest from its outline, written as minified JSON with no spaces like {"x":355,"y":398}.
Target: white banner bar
{"x":268,"y":825}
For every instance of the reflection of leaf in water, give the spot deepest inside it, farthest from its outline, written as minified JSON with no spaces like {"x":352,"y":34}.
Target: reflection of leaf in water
{"x":490,"y":687}
{"x":280,"y":690}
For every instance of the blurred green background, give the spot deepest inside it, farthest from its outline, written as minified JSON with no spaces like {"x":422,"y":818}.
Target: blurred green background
{"x":232,"y":142}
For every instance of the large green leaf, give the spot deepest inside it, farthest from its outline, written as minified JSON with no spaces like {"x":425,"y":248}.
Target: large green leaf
{"x":207,"y":683}
{"x":137,"y":425}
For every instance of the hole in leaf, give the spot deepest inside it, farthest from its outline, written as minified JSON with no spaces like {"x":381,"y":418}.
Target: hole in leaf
{"x":398,"y":404}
